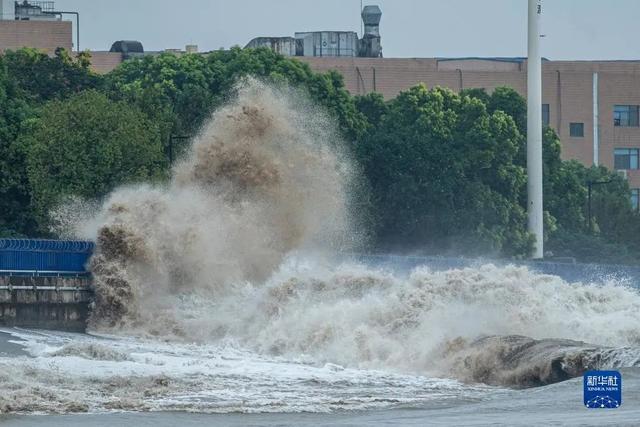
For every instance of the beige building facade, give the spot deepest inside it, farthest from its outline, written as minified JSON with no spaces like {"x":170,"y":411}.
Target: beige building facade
{"x":44,"y":35}
{"x":593,"y":105}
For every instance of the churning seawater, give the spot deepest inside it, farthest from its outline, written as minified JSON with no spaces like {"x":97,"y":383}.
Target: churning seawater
{"x":354,"y":345}
{"x":223,"y":292}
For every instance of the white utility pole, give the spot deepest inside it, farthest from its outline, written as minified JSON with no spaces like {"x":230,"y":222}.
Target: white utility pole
{"x":596,"y":121}
{"x":534,"y":129}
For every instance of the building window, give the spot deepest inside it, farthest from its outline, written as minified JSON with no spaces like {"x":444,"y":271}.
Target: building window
{"x":635,"y":198}
{"x":625,"y":115}
{"x":576,"y":129}
{"x":545,"y":114}
{"x":625,"y":158}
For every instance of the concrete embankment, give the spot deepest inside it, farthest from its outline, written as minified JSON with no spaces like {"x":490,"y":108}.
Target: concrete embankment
{"x":44,"y":283}
{"x":54,"y":302}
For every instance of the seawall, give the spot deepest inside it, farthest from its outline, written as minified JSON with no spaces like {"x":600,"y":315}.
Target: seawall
{"x":47,"y":302}
{"x":45,"y":283}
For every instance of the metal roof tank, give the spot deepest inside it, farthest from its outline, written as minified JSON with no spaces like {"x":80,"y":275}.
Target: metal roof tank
{"x":327,"y":43}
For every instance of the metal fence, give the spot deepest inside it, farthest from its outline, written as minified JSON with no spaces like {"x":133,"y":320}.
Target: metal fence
{"x":44,"y":257}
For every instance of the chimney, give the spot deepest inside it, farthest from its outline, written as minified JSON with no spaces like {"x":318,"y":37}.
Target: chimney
{"x":371,"y":18}
{"x":370,"y":46}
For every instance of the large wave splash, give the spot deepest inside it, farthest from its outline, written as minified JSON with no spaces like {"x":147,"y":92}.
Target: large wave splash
{"x":471,"y":323}
{"x":265,"y":176}
{"x":228,"y":251}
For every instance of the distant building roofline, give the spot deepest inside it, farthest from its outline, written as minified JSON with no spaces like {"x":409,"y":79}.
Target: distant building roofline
{"x":514,"y":59}
{"x":326,"y":31}
{"x":521,"y":59}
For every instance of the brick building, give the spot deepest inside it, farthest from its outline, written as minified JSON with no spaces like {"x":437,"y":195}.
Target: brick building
{"x":33,"y":24}
{"x":593,"y":105}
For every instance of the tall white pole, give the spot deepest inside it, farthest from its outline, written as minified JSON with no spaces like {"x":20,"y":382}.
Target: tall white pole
{"x":534,"y":128}
{"x":596,"y":121}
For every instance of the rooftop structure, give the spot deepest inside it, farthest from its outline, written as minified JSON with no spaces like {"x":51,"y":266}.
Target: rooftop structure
{"x":330,"y":43}
{"x":28,"y":10}
{"x":35,"y":11}
{"x":33,"y":24}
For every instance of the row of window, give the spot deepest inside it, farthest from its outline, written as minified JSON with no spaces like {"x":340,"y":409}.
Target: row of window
{"x":623,"y":116}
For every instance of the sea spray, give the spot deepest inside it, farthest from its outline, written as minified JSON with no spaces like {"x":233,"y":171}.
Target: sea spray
{"x":266,"y":176}
{"x":227,"y":253}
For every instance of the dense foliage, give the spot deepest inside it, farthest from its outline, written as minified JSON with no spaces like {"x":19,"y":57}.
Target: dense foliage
{"x":179,"y":92}
{"x":116,"y":144}
{"x":443,"y":173}
{"x":29,"y":78}
{"x":446,"y":171}
{"x":615,"y":225}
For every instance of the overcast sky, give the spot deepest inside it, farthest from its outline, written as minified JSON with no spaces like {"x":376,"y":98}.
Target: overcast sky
{"x":574,"y":29}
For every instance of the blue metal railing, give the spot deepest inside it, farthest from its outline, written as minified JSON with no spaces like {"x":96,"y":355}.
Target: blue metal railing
{"x":44,"y":257}
{"x":80,"y":246}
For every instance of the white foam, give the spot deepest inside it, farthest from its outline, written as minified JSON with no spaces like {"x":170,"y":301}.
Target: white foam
{"x":202,"y":378}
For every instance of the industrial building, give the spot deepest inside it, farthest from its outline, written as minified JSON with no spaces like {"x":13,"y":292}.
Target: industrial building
{"x":330,"y":43}
{"x":593,"y":105}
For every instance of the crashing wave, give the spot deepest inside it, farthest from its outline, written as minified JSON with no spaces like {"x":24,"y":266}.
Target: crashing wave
{"x":264,"y":177}
{"x":236,"y":247}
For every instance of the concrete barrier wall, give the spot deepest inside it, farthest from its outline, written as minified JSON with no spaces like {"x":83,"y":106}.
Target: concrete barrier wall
{"x":45,"y":302}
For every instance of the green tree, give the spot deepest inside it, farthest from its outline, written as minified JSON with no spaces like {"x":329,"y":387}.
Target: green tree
{"x":86,"y":146}
{"x":442,"y":171}
{"x":614,"y":222}
{"x":612,"y":235}
{"x":39,"y":77}
{"x":28,"y":78}
{"x":179,"y":92}
{"x":373,"y":107}
{"x":15,"y":215}
{"x":613,"y":216}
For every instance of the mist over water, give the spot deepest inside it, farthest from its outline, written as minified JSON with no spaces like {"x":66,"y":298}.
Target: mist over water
{"x":242,"y":248}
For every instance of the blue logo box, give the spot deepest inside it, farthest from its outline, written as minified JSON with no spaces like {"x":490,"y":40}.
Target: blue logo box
{"x":602,"y":389}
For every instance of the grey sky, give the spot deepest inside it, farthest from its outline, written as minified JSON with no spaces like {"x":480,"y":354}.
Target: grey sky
{"x":574,"y":29}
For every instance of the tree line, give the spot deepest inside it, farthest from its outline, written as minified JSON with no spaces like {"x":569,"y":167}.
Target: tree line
{"x":445,"y":171}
